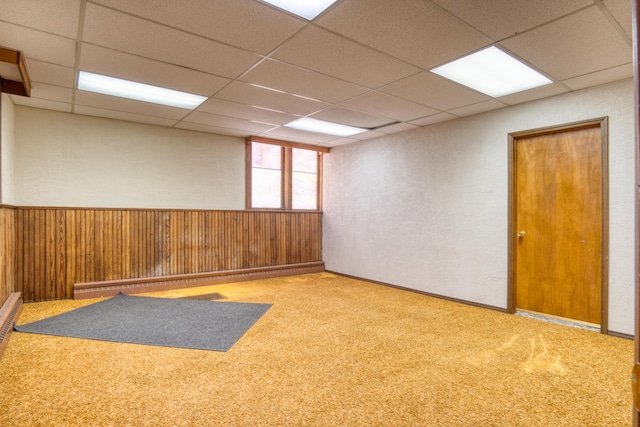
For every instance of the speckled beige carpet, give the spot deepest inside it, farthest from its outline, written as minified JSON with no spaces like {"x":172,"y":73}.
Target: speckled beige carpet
{"x":331,"y":351}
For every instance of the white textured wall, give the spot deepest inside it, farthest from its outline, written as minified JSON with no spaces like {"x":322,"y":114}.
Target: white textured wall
{"x":8,"y":147}
{"x":427,"y":209}
{"x":80,"y":161}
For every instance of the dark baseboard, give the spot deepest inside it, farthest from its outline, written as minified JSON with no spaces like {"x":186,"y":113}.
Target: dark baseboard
{"x":621,"y":335}
{"x":9,"y":313}
{"x":475,"y":304}
{"x":164,"y":283}
{"x":402,"y":288}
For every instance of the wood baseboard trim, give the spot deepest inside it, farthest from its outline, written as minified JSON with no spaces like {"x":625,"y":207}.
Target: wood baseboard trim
{"x":9,"y":313}
{"x":402,"y":288}
{"x":620,"y":335}
{"x":164,"y":283}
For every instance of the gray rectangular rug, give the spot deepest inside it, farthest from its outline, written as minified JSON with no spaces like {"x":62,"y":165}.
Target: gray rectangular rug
{"x":184,"y":323}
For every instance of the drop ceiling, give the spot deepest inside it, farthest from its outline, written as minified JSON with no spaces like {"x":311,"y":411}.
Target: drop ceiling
{"x":361,"y":63}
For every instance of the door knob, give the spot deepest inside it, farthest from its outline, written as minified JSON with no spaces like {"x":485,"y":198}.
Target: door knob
{"x":521,"y":233}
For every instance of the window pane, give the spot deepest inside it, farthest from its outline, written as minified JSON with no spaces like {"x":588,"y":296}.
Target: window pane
{"x":266,"y":156}
{"x":305,"y":160}
{"x":305,"y":190}
{"x":266,"y":188}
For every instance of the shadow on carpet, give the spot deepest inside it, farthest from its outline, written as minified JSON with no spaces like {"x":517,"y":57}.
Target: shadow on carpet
{"x":167,"y":322}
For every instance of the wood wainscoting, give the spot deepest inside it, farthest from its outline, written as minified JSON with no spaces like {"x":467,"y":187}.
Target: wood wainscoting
{"x":58,"y":247}
{"x":7,"y":252}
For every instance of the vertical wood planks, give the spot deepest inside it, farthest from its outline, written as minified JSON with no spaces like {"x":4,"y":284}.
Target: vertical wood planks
{"x":46,"y":251}
{"x":8,"y":249}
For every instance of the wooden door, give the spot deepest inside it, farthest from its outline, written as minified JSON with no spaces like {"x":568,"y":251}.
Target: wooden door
{"x":559,"y":215}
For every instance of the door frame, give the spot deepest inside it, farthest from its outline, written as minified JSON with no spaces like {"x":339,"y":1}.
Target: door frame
{"x":603,"y":124}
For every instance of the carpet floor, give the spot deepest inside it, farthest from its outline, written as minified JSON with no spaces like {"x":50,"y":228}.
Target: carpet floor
{"x":331,"y":351}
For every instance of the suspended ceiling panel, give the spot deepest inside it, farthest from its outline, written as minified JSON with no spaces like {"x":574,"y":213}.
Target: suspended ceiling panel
{"x":361,"y":61}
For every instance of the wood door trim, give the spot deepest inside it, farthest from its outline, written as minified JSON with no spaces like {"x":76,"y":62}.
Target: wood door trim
{"x":603,"y":124}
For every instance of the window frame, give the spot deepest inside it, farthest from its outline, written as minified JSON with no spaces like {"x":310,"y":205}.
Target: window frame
{"x":287,"y":173}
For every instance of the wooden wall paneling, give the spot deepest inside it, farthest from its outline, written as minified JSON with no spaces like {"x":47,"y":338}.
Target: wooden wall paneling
{"x":56,"y":248}
{"x":8,"y":233}
{"x":273,"y":239}
{"x":116,"y":251}
{"x":61,"y":254}
{"x":158,"y":247}
{"x":28,"y":284}
{"x":41,"y":260}
{"x":220,"y":249}
{"x":126,"y":244}
{"x":153,"y":237}
{"x":71,"y":251}
{"x":107,"y":245}
{"x":6,"y":287}
{"x":198,"y":242}
{"x":90,"y":248}
{"x":149,"y":234}
{"x":19,"y":267}
{"x":144,"y":238}
{"x":81,"y":252}
{"x":99,"y":260}
{"x":49,"y":266}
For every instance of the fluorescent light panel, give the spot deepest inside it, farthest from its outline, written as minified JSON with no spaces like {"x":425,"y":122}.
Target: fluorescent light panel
{"x":307,"y":9}
{"x":492,"y":72}
{"x":139,"y":91}
{"x":320,"y":126}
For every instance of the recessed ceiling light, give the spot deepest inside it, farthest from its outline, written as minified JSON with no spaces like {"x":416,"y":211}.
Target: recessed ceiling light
{"x":307,"y":9}
{"x":320,"y":126}
{"x":492,"y":72}
{"x":140,"y":92}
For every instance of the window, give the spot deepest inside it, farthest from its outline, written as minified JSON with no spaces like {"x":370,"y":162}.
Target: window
{"x":283,"y":175}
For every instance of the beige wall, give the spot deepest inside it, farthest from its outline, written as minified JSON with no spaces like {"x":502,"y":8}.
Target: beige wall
{"x":8,"y":149}
{"x":427,"y":209}
{"x":81,"y":161}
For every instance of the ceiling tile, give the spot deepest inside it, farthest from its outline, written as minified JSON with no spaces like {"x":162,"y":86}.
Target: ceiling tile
{"x":381,"y":104}
{"x":252,"y":95}
{"x":52,"y":93}
{"x":45,"y":104}
{"x":61,"y":17}
{"x":213,"y":129}
{"x":327,"y":53}
{"x":367,"y":135}
{"x":600,"y":77}
{"x":386,"y":26}
{"x":338,"y":141}
{"x":119,"y":31}
{"x":135,"y":68}
{"x":121,"y":115}
{"x":533,"y":94}
{"x":299,"y":81}
{"x":38,"y":45}
{"x":234,"y":109}
{"x":622,"y":12}
{"x":289,"y":134}
{"x":263,"y":28}
{"x":434,"y":91}
{"x":436,"y":118}
{"x":348,"y":117}
{"x":226,"y":122}
{"x":585,"y":41}
{"x":480,"y":107}
{"x":503,"y":18}
{"x":105,"y":102}
{"x":398,"y":127}
{"x":50,"y":73}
